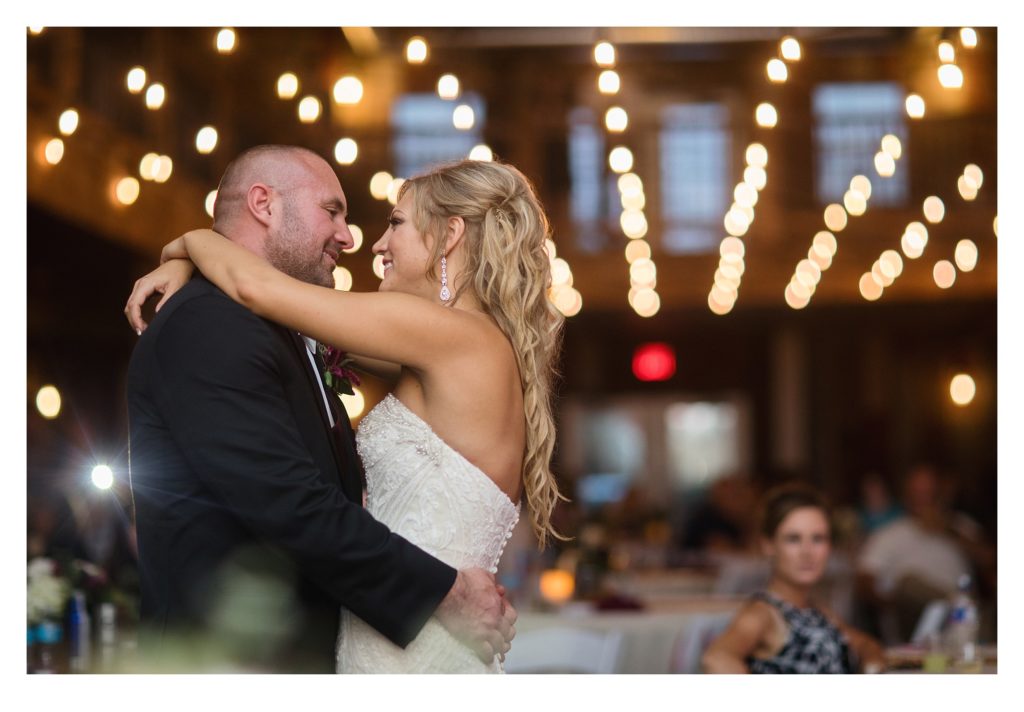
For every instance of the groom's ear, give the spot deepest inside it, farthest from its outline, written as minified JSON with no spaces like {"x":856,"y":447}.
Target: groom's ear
{"x":258,"y":200}
{"x":454,"y":231}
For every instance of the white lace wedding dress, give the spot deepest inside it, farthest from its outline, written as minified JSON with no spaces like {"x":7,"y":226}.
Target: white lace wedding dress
{"x":430,"y":494}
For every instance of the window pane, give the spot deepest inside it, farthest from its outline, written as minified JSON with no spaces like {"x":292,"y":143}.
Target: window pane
{"x":589,"y":206}
{"x":704,"y":442}
{"x":850,"y":120}
{"x":695,"y":177}
{"x":425,"y":135}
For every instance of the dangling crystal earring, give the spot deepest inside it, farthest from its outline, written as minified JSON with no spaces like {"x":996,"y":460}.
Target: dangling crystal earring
{"x":445,"y":294}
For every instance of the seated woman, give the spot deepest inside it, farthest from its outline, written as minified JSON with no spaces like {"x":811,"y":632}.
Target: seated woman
{"x":781,"y":629}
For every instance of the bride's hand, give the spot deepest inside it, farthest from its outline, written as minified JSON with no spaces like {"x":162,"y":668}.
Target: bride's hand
{"x":166,"y":279}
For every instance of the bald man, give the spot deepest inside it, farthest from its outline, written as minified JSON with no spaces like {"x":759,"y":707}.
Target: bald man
{"x":244,"y":474}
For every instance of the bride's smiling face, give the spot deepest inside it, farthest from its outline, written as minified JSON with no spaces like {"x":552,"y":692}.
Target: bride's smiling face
{"x":406,"y":254}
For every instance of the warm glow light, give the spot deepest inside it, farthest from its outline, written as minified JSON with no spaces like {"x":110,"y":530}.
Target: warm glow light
{"x":808,"y":273}
{"x":720,"y":308}
{"x":862,"y":185}
{"x":608,"y":82}
{"x":354,"y":404}
{"x":604,"y":54}
{"x":934,"y":209}
{"x":102,"y":477}
{"x":642,"y":273}
{"x":567,"y":300}
{"x":162,"y":169}
{"x":378,"y":266}
{"x":348,"y":90}
{"x":946,"y":52}
{"x":891,"y":263}
{"x":345,"y":151}
{"x":309,"y":109}
{"x":827,"y":242}
{"x":552,"y":250}
{"x":835,"y":217}
{"x":206,"y":139}
{"x":620,"y":159}
{"x":884,"y":164}
{"x":416,"y":50}
{"x":560,"y":272}
{"x":393,"y":188}
{"x":962,"y":389}
{"x":616,"y":119}
{"x":127,"y":190}
{"x":732,"y":246}
{"x":342,"y":279}
{"x":757,"y":155}
{"x":654,"y":362}
{"x":557,"y":586}
{"x":755,"y":176}
{"x":766,"y":115}
{"x":630,"y":184}
{"x":481,"y":152}
{"x":777,"y":71}
{"x":745,"y":194}
{"x":790,"y":49}
{"x":855,"y":202}
{"x":736,"y":222}
{"x":226,"y":41}
{"x":379,"y":185}
{"x":968,"y":37}
{"x":633,"y":223}
{"x":995,"y":226}
{"x":211,"y":200}
{"x":463,"y":117}
{"x":912,"y":245}
{"x":148,"y":166}
{"x":944,"y":274}
{"x":637,"y":250}
{"x":633,"y":201}
{"x":54,"y":151}
{"x":155,"y":96}
{"x":37,"y":29}
{"x":448,"y":87}
{"x":820,"y":256}
{"x":882,"y":274}
{"x":357,"y":239}
{"x":48,"y":402}
{"x":795,"y":300}
{"x":646,"y":302}
{"x":68,"y":122}
{"x":869,"y":288}
{"x":966,"y":255}
{"x":968,"y":191}
{"x":287,"y":86}
{"x":136,"y":79}
{"x":915,"y":106}
{"x":950,"y":76}
{"x":974,"y":175}
{"x":891,"y":145}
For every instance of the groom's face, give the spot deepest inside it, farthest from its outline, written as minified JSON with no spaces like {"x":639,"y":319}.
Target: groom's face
{"x":310,"y":230}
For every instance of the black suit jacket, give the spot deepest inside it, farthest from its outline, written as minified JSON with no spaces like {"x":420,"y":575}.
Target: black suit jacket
{"x":247,"y":507}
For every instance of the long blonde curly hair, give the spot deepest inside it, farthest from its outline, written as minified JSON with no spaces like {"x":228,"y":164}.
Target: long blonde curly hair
{"x":508,"y":270}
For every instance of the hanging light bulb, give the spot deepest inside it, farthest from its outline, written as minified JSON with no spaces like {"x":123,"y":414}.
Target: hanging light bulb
{"x":348,"y":90}
{"x":950,"y":76}
{"x":790,"y":49}
{"x":226,"y":40}
{"x":345,"y":151}
{"x":915,"y":106}
{"x":608,"y":82}
{"x":616,"y":119}
{"x":604,"y":54}
{"x":777,"y":71}
{"x":968,"y":37}
{"x":136,"y":80}
{"x":287,"y":86}
{"x":448,"y":87}
{"x":766,"y":115}
{"x":416,"y":50}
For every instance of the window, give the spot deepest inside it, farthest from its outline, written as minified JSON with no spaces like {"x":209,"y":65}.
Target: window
{"x":696,"y":188}
{"x":593,"y":198}
{"x":425,"y":134}
{"x":850,"y":120}
{"x":704,"y":442}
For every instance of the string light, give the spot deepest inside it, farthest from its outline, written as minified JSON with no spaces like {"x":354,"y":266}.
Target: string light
{"x":48,"y":402}
{"x":616,"y":119}
{"x":127,"y":190}
{"x":968,"y":37}
{"x":345,"y":151}
{"x":211,"y":201}
{"x":357,"y":239}
{"x":206,"y":139}
{"x":68,"y":122}
{"x":604,"y":54}
{"x":136,"y":80}
{"x":309,"y":109}
{"x":481,"y":152}
{"x":934,"y":209}
{"x":757,"y":155}
{"x":36,"y":30}
{"x":463,"y":117}
{"x":777,"y":71}
{"x":915,"y":106}
{"x":379,"y":185}
{"x":448,"y":87}
{"x":766,"y":115}
{"x":155,"y":96}
{"x":835,"y":217}
{"x":790,"y":49}
{"x":608,"y":82}
{"x":416,"y":50}
{"x":53,"y":151}
{"x":226,"y":40}
{"x":962,"y":389}
{"x":620,"y":159}
{"x":944,"y":274}
{"x":393,"y":189}
{"x":348,"y":90}
{"x":342,"y":279}
{"x":950,"y":76}
{"x":966,"y":255}
{"x":287,"y":86}
{"x":946,"y":52}
{"x":891,"y":145}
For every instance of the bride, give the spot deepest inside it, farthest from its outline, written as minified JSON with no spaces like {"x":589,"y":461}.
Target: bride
{"x":467,"y":433}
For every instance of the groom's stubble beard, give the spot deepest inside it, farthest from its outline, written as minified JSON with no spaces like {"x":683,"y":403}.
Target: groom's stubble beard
{"x":289,"y":248}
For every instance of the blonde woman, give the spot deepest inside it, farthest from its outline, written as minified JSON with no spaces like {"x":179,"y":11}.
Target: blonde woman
{"x":466,"y":435}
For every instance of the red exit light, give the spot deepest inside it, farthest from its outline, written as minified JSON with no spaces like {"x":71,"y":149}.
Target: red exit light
{"x":654,"y":362}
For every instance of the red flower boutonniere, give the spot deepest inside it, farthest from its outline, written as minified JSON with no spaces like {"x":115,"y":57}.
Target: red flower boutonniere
{"x":338,"y":376}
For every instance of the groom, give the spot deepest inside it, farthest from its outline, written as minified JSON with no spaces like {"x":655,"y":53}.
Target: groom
{"x":244,"y":474}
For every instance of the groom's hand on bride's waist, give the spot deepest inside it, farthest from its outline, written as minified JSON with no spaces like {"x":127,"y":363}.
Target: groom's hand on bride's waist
{"x":475,"y":611}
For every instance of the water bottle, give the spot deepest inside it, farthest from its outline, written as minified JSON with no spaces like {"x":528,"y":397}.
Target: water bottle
{"x":79,"y":633}
{"x":961,"y":635}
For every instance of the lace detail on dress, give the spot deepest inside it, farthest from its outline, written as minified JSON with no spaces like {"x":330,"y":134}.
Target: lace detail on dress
{"x":430,"y":494}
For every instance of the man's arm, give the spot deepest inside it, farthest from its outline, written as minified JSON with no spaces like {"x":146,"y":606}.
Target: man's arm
{"x":223,"y":398}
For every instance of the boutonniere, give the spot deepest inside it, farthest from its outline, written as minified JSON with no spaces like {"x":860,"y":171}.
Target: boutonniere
{"x":338,"y":376}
